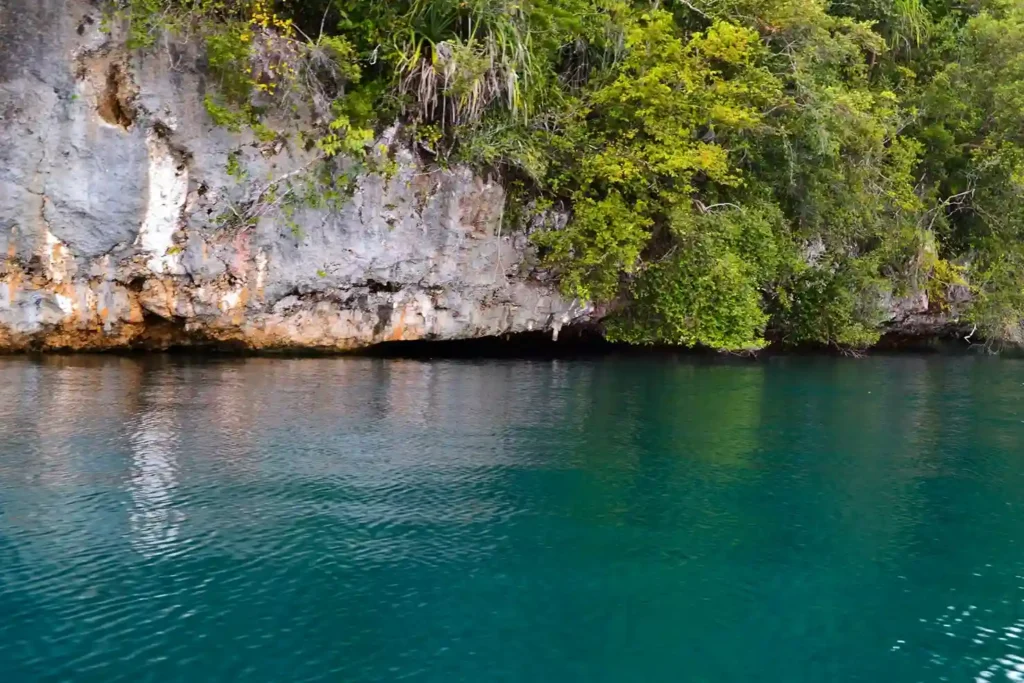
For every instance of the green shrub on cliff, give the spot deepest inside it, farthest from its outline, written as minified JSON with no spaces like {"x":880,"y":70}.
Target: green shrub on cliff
{"x":735,"y":170}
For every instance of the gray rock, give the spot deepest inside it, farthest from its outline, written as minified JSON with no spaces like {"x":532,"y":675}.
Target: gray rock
{"x":114,"y":187}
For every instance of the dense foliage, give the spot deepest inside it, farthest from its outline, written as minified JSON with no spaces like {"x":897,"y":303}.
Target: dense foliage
{"x":732,"y":168}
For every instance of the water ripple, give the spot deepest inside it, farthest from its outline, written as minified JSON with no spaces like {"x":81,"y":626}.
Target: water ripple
{"x":169,"y":519}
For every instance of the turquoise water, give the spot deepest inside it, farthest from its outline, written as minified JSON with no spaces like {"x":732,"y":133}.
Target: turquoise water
{"x":789,"y":520}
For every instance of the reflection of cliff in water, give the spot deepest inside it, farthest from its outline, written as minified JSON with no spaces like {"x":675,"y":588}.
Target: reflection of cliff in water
{"x":153,"y":475}
{"x":411,"y":442}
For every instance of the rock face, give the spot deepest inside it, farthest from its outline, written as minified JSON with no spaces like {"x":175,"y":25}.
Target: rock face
{"x":114,"y":184}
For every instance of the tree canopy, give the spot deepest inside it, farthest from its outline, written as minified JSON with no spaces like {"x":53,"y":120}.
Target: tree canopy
{"x":734,"y":170}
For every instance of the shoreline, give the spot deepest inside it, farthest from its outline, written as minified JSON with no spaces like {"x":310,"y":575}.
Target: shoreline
{"x":573,"y":344}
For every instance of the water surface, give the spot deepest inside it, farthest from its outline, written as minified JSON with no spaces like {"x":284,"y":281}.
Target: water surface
{"x":790,"y":520}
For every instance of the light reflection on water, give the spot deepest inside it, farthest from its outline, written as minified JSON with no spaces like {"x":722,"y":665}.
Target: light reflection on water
{"x":154,"y":521}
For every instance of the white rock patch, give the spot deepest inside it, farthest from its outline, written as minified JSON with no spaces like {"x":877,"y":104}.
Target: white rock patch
{"x":168,"y":190}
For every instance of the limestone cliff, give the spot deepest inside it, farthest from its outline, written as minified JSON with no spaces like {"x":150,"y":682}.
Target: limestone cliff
{"x":114,"y":183}
{"x":114,"y":189}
